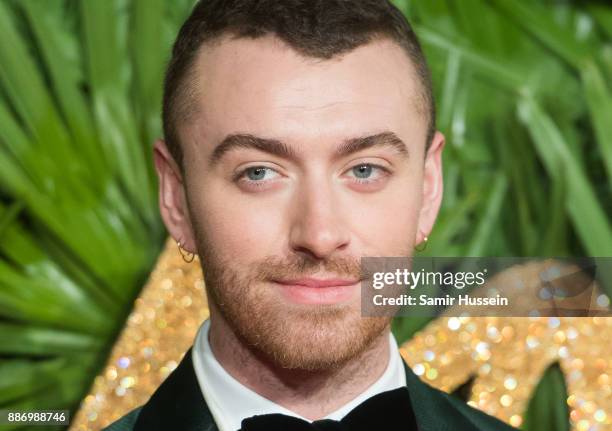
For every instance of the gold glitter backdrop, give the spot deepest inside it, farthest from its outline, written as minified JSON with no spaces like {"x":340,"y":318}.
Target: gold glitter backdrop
{"x":507,"y":356}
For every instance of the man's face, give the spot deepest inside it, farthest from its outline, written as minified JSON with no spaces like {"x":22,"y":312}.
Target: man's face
{"x":294,"y":169}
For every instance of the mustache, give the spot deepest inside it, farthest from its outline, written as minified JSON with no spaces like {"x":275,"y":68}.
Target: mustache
{"x":297,"y":266}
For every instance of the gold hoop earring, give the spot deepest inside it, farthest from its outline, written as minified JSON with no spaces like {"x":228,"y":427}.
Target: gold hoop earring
{"x":419,"y":249}
{"x":186,"y":255}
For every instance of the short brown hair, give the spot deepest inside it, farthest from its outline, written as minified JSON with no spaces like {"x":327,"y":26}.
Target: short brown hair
{"x":314,"y":28}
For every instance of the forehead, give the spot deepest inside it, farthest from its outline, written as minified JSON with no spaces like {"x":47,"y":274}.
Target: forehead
{"x":264,"y":87}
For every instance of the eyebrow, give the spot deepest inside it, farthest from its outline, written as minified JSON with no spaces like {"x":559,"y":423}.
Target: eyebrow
{"x":236,"y":141}
{"x":384,"y":139}
{"x":279,"y":148}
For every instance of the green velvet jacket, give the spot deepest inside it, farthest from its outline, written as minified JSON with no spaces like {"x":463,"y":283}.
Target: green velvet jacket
{"x":178,"y":405}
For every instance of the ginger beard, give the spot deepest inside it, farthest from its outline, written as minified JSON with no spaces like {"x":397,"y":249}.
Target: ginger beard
{"x":314,"y":337}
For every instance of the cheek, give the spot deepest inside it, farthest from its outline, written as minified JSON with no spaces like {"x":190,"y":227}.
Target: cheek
{"x":236,"y":227}
{"x":385,"y":223}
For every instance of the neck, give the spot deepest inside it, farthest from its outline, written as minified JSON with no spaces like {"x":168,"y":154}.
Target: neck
{"x":310,"y":394}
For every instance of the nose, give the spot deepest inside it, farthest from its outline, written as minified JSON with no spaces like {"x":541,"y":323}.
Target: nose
{"x":317,"y":228}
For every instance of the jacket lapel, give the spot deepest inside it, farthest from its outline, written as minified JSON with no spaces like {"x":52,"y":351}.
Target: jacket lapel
{"x":438,"y":411}
{"x":433,"y":412}
{"x":177,"y":404}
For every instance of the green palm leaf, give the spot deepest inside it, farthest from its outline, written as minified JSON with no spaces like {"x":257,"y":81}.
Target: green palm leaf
{"x":79,"y":225}
{"x":524,"y":101}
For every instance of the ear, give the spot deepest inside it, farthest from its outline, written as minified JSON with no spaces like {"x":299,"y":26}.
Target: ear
{"x":432,"y":188}
{"x":172,"y":197}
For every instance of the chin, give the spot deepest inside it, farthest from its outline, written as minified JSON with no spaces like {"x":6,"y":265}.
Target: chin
{"x":312,"y":338}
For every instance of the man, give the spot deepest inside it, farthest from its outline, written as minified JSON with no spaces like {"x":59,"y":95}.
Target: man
{"x":299,"y":137}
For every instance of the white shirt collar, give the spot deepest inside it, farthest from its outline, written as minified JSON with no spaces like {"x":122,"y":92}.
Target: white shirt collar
{"x":230,"y":401}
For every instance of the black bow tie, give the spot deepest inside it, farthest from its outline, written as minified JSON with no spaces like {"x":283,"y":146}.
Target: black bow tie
{"x":389,"y":410}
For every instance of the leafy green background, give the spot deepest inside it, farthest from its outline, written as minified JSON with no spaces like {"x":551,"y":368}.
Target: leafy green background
{"x":523,"y":97}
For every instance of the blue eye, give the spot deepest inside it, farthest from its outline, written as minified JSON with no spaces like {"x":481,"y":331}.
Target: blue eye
{"x":368,"y":173}
{"x":363,"y":171}
{"x":257,"y":173}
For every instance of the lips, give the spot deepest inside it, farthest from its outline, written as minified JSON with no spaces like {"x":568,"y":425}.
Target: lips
{"x":319,"y":290}
{"x":320,"y":283}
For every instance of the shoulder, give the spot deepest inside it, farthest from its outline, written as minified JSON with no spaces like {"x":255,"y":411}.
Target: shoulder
{"x":478,"y":418}
{"x":437,"y":410}
{"x":125,"y":423}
